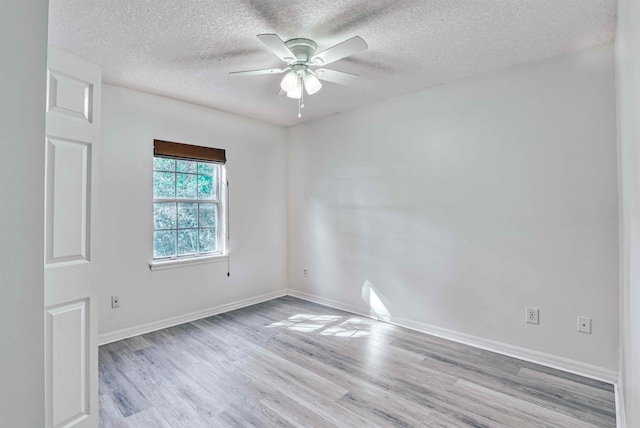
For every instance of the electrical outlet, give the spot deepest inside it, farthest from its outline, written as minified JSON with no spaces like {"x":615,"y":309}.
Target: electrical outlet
{"x":305,"y":272}
{"x":115,"y":302}
{"x":533,"y":315}
{"x":584,"y":325}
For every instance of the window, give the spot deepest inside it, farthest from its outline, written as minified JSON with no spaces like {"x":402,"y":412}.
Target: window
{"x":188,"y":203}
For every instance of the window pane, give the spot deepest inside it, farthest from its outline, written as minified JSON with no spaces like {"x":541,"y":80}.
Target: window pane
{"x":186,"y":187}
{"x":208,"y":214}
{"x":164,"y":164}
{"x":187,"y":241}
{"x":206,"y":168}
{"x":186,"y":166}
{"x":164,"y":215}
{"x":164,"y":243}
{"x":187,"y":215}
{"x":206,"y":187}
{"x":207,"y":239}
{"x":163,"y":185}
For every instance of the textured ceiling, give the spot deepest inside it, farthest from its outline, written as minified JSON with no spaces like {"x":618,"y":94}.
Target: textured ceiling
{"x":184,"y":49}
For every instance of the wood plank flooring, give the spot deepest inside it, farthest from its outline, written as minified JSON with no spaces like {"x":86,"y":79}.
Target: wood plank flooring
{"x":288,"y":362}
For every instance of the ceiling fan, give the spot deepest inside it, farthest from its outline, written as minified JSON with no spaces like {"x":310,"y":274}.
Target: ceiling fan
{"x":301,"y":59}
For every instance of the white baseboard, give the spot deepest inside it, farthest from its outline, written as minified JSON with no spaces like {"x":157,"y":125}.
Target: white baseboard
{"x":126,"y":333}
{"x":329,"y":302}
{"x":544,"y":359}
{"x":621,"y":416}
{"x":548,"y":360}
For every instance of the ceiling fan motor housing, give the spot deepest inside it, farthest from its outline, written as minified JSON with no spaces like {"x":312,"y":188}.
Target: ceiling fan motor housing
{"x":303,"y":49}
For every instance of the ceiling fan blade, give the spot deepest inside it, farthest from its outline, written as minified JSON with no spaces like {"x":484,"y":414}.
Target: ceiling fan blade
{"x":259,"y":72}
{"x":339,"y":77}
{"x":277,"y":46}
{"x":339,"y":51}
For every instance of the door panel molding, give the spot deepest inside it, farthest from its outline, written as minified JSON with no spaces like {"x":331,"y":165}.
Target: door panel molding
{"x":70,"y":96}
{"x":67,"y":359}
{"x":67,"y":206}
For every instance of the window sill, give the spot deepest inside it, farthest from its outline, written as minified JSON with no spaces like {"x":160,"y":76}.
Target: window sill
{"x":191,"y":261}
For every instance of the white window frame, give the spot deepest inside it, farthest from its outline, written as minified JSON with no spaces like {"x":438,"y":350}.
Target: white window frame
{"x":221,"y":225}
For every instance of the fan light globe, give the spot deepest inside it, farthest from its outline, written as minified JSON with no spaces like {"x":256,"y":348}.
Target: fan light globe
{"x":312,"y":84}
{"x":295,"y":92}
{"x":290,"y":82}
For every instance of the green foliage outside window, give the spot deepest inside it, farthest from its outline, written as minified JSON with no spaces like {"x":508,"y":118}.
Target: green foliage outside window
{"x":186,"y":207}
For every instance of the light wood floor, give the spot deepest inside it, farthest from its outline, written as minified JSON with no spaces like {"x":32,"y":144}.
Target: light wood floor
{"x":288,"y":362}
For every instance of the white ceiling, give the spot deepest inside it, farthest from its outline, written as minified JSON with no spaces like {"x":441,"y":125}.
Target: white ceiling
{"x":184,"y":49}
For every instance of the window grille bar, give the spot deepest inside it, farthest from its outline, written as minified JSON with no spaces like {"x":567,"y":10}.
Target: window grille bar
{"x":187,"y":201}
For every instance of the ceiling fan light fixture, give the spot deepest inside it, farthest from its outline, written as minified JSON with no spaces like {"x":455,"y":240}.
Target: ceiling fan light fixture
{"x":300,"y":55}
{"x":312,"y":84}
{"x":290,"y":82}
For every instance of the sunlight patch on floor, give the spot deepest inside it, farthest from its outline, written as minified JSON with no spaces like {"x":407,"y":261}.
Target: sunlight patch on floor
{"x":353,"y":327}
{"x":325,"y":325}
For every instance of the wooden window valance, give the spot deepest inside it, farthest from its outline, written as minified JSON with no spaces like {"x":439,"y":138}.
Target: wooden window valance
{"x":169,"y":149}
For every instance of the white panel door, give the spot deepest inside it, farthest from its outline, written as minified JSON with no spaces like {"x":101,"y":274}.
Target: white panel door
{"x":71,"y":330}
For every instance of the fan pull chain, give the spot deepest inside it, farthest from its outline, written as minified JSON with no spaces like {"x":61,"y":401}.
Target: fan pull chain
{"x":300,"y":105}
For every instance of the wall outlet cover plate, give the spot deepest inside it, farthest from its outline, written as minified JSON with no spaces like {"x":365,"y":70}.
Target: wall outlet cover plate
{"x":584,"y":325}
{"x":533,"y":316}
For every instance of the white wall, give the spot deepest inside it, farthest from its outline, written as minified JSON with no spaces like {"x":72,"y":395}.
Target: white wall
{"x":22,"y":110}
{"x":464,"y":203}
{"x":256,"y":169}
{"x":628,"y":89}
